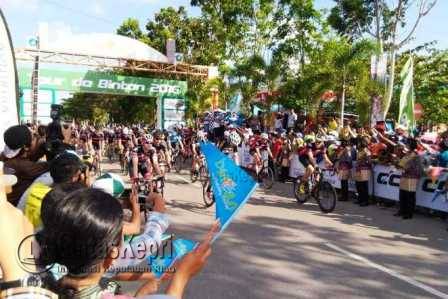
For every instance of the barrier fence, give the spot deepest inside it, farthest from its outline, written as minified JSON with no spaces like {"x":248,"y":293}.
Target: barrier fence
{"x":384,"y":182}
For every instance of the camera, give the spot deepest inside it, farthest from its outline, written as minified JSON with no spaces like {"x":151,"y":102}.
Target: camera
{"x":56,"y":112}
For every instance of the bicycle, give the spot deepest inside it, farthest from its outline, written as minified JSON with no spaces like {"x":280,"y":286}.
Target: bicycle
{"x":200,"y":173}
{"x":323,"y":192}
{"x":111,"y":152}
{"x":207,"y":194}
{"x":96,"y":164}
{"x":124,"y":161}
{"x":182,"y":159}
{"x":144,"y":189}
{"x":265,"y":176}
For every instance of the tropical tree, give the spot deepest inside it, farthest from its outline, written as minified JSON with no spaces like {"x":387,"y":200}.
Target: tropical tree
{"x":336,"y":65}
{"x":383,"y":21}
{"x":430,"y":84}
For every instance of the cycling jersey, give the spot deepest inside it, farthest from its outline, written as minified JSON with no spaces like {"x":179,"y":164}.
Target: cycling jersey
{"x":109,"y":136}
{"x":97,"y":137}
{"x":74,"y":133}
{"x":145,"y":160}
{"x":125,"y":139}
{"x":84,"y":135}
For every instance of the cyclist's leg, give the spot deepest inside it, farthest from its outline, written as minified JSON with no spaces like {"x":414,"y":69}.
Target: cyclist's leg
{"x":133,"y":172}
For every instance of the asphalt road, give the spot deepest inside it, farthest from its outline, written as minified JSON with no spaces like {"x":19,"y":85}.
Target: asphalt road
{"x":276,"y":248}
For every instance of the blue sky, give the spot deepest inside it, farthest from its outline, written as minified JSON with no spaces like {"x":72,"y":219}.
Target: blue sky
{"x":84,"y":16}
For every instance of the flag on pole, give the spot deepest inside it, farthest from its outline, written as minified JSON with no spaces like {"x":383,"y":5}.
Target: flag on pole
{"x":406,"y":110}
{"x":231,"y":185}
{"x":163,"y":261}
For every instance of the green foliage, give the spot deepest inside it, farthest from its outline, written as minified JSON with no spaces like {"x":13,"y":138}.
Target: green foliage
{"x":102,"y":109}
{"x":130,"y":28}
{"x":430,"y":84}
{"x":304,"y":59}
{"x":352,"y":18}
{"x":335,"y":60}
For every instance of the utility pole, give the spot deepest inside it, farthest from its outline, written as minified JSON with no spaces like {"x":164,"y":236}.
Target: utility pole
{"x":35,"y":83}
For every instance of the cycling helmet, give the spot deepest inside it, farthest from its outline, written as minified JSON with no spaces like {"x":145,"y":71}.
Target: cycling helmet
{"x":332,"y":149}
{"x":299,"y":142}
{"x":235,"y":138}
{"x":149,"y":138}
{"x":264,"y":136}
{"x":310,"y":138}
{"x":201,"y":135}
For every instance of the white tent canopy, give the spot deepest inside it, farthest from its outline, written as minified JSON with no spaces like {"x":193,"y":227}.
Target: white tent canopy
{"x":106,"y":45}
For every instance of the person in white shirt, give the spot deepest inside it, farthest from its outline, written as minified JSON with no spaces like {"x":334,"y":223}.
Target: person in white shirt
{"x":278,"y":122}
{"x":292,"y":118}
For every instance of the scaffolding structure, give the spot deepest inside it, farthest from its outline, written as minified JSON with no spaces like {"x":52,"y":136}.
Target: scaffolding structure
{"x":38,"y":56}
{"x":105,"y":62}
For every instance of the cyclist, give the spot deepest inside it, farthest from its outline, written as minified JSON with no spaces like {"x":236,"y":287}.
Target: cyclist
{"x":74,"y":136}
{"x":144,"y":160}
{"x":110,"y":140}
{"x":256,"y":159}
{"x":162,"y":150}
{"x":201,"y":136}
{"x":175,"y":140}
{"x":97,"y":141}
{"x":265,"y":147}
{"x":307,"y":158}
{"x":84,"y":141}
{"x":125,"y":144}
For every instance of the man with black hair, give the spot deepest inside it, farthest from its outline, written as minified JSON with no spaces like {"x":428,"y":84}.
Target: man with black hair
{"x":58,"y":139}
{"x":17,"y":155}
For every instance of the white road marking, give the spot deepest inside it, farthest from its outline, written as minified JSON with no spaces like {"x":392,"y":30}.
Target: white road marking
{"x":389,"y":271}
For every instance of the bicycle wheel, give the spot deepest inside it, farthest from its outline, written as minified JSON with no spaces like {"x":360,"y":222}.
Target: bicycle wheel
{"x":207,"y":195}
{"x":267,"y":177}
{"x":162,"y":186}
{"x":300,"y":190}
{"x":194,"y":176}
{"x":178,"y":162}
{"x":203,"y":174}
{"x":326,"y":197}
{"x":125,"y":167}
{"x":98,"y":167}
{"x":122,"y":163}
{"x":110,"y":154}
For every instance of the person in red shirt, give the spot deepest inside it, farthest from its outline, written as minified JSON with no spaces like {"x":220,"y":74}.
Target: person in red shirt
{"x":276,"y":146}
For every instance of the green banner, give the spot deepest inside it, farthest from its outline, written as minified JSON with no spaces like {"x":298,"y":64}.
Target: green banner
{"x":102,"y":82}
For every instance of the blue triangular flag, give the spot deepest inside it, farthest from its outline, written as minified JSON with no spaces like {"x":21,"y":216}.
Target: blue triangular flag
{"x":159,"y":264}
{"x":231,"y":185}
{"x":182,"y":247}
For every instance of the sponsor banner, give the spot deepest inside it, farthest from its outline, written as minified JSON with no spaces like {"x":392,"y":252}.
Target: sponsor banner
{"x":172,"y":111}
{"x":174,"y":104}
{"x":385,"y":183}
{"x":8,"y":81}
{"x":174,"y":115}
{"x":102,"y":82}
